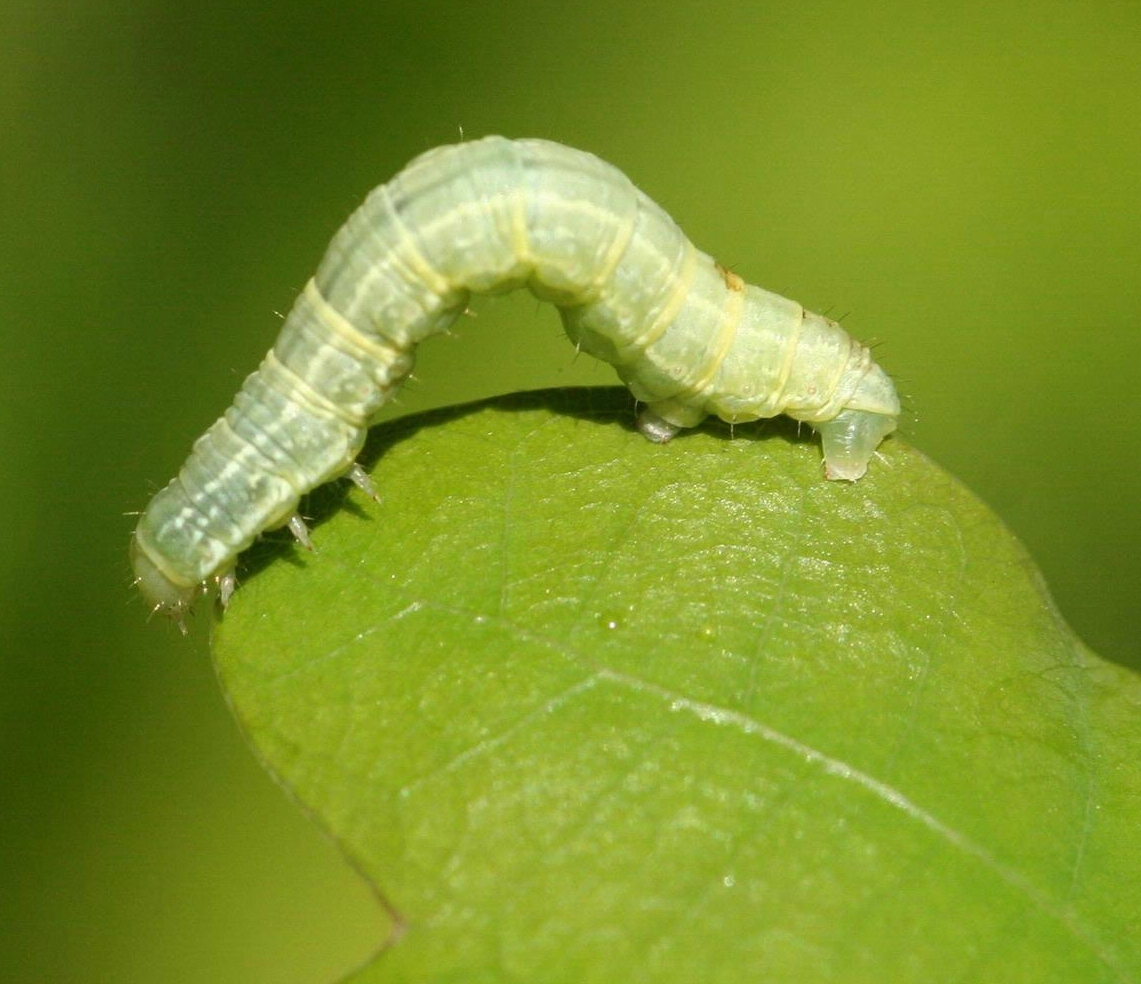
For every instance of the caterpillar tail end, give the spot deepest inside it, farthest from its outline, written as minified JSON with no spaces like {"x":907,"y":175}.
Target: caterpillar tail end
{"x":850,"y":440}
{"x":163,"y":595}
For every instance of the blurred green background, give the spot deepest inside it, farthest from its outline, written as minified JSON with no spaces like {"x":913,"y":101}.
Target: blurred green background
{"x":961,"y":184}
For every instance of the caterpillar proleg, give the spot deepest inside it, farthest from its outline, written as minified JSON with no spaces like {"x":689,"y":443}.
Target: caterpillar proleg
{"x":688,"y":337}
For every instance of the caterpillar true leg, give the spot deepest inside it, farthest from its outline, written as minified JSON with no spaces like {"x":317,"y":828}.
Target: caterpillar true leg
{"x":300,"y":531}
{"x":359,"y":477}
{"x":227,"y":585}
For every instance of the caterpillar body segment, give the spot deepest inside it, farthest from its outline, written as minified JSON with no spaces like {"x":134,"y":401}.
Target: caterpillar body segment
{"x":689,"y":338}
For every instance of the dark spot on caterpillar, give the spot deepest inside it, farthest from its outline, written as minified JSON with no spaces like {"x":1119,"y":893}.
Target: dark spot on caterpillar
{"x":732,"y":280}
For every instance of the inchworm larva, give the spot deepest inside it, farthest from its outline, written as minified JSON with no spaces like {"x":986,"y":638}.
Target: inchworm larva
{"x":689,"y":338}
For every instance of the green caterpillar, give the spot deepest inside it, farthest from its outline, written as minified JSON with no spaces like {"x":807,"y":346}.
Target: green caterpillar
{"x":688,"y":337}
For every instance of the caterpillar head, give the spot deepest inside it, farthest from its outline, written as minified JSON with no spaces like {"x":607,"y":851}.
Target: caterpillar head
{"x":159,"y":590}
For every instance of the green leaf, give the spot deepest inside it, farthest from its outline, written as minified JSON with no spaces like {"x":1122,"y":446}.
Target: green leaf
{"x":588,"y":709}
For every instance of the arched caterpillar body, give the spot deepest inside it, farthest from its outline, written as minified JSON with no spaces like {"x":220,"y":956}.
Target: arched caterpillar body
{"x":687,"y":336}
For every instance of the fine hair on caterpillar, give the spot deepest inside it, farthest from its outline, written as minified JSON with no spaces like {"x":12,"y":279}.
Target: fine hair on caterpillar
{"x":688,"y":336}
